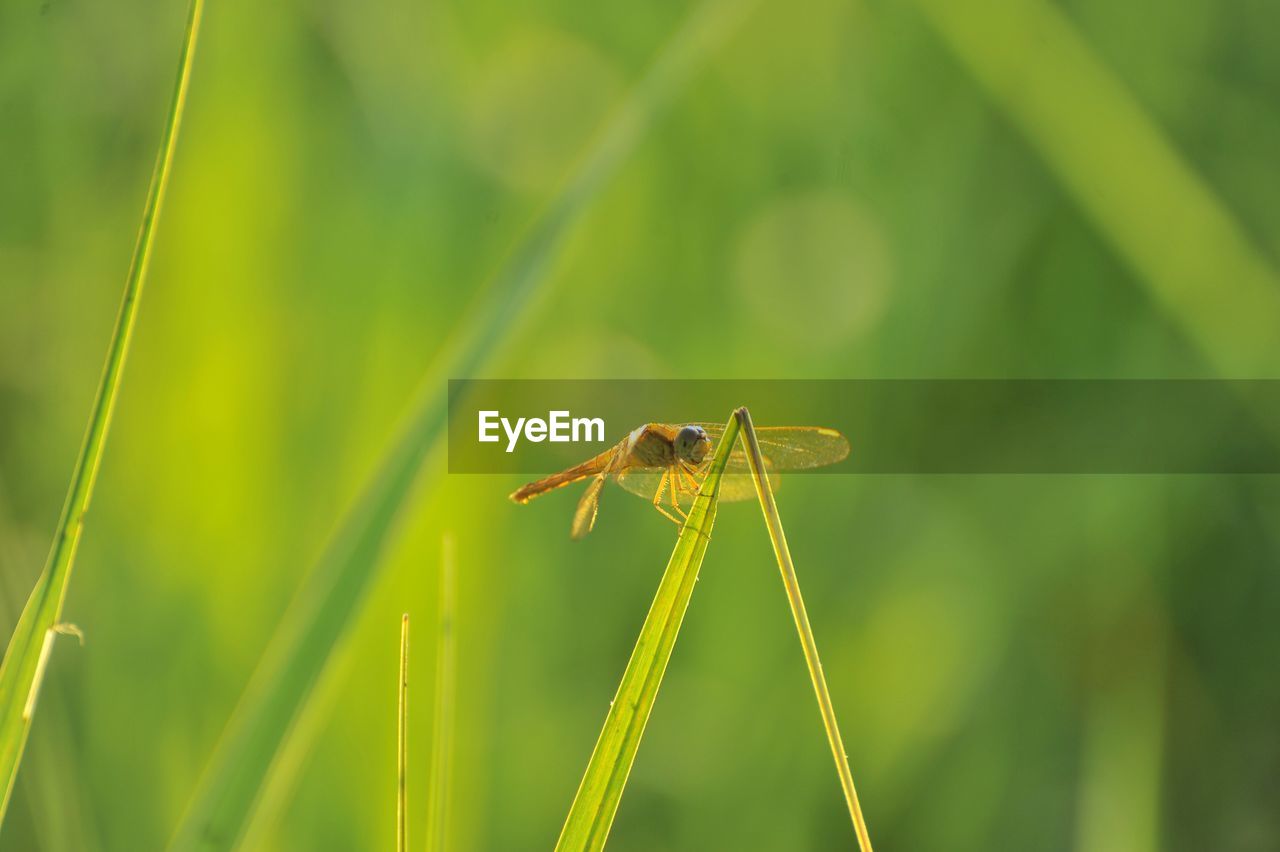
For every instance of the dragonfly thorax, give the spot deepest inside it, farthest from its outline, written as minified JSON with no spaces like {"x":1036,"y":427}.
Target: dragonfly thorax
{"x":651,"y":448}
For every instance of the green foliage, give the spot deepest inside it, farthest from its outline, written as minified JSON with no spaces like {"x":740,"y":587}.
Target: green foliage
{"x":333,"y":593}
{"x":824,"y":190}
{"x":26,"y":656}
{"x":1089,"y":128}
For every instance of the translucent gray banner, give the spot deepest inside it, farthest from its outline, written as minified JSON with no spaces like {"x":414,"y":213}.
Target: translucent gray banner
{"x":893,"y":426}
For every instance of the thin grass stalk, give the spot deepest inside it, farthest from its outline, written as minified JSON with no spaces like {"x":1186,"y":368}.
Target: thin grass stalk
{"x":28,"y":652}
{"x":445,"y":691}
{"x":792,"y":584}
{"x":596,"y":803}
{"x":402,"y":741}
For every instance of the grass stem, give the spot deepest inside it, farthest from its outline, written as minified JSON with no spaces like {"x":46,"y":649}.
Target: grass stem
{"x":792,"y":584}
{"x":402,"y":741}
{"x":442,"y":734}
{"x":593,"y":809}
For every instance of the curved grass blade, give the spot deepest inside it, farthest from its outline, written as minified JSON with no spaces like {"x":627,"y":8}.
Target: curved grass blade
{"x":1162,"y":217}
{"x":330,"y":596}
{"x":402,"y":741}
{"x":61,"y":814}
{"x":792,"y":584}
{"x":28,"y":651}
{"x":591,"y":814}
{"x":442,"y":734}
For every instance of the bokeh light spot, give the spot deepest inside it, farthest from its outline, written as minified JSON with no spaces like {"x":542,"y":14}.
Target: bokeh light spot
{"x":536,"y":105}
{"x":814,"y":268}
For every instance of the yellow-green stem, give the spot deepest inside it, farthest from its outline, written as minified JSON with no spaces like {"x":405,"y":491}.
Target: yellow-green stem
{"x":792,"y":584}
{"x":591,"y":815}
{"x":402,"y":741}
{"x":442,"y":739}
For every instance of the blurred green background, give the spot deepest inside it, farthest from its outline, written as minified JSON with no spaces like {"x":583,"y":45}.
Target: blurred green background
{"x":836,"y":189}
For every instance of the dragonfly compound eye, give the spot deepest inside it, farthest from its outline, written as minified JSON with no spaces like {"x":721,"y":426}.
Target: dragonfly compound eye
{"x":692,"y":444}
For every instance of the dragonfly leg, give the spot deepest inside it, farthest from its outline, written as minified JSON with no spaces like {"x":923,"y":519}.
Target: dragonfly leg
{"x":678,"y":485}
{"x":657,"y":498}
{"x":675,"y":499}
{"x":690,"y":475}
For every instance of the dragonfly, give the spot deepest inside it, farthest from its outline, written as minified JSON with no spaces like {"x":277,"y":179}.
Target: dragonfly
{"x":663,"y":460}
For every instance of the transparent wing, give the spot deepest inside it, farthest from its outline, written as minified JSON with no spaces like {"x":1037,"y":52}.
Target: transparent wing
{"x":584,"y":517}
{"x":644,"y":482}
{"x":788,"y":447}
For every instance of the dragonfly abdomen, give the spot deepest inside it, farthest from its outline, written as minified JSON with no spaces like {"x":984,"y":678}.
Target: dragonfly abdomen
{"x":590,"y":467}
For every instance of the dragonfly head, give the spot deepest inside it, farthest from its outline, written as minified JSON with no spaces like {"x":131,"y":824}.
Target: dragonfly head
{"x":692,"y":444}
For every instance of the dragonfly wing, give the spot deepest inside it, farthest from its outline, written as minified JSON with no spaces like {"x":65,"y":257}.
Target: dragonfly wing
{"x":641,"y":481}
{"x":788,"y":447}
{"x":734,"y":487}
{"x":584,"y":517}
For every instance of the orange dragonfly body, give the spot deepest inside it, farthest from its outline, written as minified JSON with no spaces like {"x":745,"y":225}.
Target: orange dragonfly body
{"x":660,"y":460}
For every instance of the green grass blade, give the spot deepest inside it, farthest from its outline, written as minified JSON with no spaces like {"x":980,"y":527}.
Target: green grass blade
{"x":1162,"y":217}
{"x":792,"y":584}
{"x":591,"y":814}
{"x":294,"y":759}
{"x":333,"y":592}
{"x":32,"y":641}
{"x":442,"y":734}
{"x":402,"y":741}
{"x":60,"y":813}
